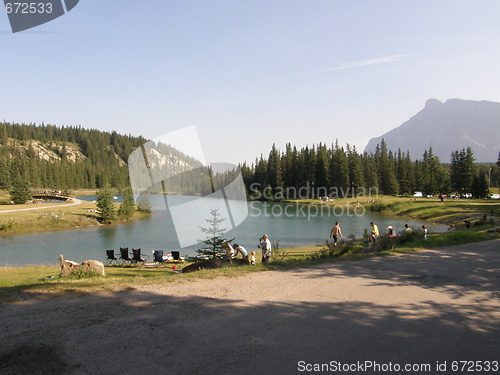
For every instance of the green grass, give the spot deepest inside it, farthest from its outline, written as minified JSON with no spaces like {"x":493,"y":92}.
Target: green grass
{"x":17,"y":282}
{"x":432,"y":209}
{"x":39,"y":219}
{"x":421,"y":208}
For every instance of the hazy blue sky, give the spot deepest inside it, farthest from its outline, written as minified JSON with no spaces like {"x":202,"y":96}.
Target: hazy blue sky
{"x":249,"y":73}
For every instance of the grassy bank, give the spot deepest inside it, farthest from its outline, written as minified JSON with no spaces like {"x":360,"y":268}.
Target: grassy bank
{"x":43,"y":217}
{"x":18,"y":282}
{"x":451,"y":211}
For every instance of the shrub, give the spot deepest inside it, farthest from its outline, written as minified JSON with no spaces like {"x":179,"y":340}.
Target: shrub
{"x":377,"y":207}
{"x":84,"y":274}
{"x":8,"y":226}
{"x":387,"y":243}
{"x":410,"y":237}
{"x":357,"y":248}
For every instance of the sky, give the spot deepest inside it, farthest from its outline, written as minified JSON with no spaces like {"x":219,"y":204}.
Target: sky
{"x":249,"y":73}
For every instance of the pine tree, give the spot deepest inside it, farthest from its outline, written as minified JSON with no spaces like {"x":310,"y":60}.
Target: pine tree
{"x":387,"y":170}
{"x":5,"y":181}
{"x":214,"y":241}
{"x":355,"y":170}
{"x":462,"y":171}
{"x":308,"y":175}
{"x":127,"y":208}
{"x":274,"y":171}
{"x":434,"y":175}
{"x":402,"y":174}
{"x":105,"y":205}
{"x":20,"y":192}
{"x":260,"y":175}
{"x":370,"y":172}
{"x":339,"y":170}
{"x":479,"y":188}
{"x":322,"y":180}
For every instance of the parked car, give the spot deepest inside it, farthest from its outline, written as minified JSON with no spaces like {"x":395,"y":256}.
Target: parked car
{"x":495,"y":196}
{"x":418,"y":194}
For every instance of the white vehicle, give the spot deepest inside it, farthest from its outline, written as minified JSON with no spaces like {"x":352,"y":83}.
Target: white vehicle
{"x":418,"y":194}
{"x":495,"y":196}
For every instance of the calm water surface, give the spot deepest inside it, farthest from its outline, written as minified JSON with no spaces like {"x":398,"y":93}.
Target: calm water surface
{"x":290,"y":224}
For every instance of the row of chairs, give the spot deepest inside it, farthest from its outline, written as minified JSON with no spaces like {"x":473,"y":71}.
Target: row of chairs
{"x":137,"y":257}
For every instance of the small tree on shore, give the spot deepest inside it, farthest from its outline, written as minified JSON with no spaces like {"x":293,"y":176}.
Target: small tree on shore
{"x":20,"y":192}
{"x":213,"y":240}
{"x":127,"y":207}
{"x":105,"y":205}
{"x":144,"y":204}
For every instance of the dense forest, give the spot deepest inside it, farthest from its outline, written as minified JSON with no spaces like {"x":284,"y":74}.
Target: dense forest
{"x":48,"y":156}
{"x":64,"y":157}
{"x":336,"y":171}
{"x":61,"y":158}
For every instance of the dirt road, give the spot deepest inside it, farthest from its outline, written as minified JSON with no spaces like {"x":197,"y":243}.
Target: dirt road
{"x":74,"y":202}
{"x":427,"y":308}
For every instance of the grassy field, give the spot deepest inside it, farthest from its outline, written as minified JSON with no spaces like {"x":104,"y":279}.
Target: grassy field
{"x":42,"y":217}
{"x":16,"y":282}
{"x":45,"y":216}
{"x":451,"y":211}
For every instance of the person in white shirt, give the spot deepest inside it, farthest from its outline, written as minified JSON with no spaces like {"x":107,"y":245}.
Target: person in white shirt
{"x":265,"y":245}
{"x":242,"y":250}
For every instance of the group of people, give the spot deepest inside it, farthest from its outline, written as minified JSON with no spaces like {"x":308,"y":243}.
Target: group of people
{"x":264,"y":244}
{"x":374,"y":234}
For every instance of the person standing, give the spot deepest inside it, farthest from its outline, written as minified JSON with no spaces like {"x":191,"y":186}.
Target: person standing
{"x":374,"y":233}
{"x":335,"y":233}
{"x":424,"y":227}
{"x":265,"y":245}
{"x":230,"y":250}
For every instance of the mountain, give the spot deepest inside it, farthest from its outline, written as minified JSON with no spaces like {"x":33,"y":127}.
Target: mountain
{"x":446,"y":127}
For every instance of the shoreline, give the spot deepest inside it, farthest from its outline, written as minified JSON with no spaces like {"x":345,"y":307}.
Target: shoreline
{"x":425,"y":209}
{"x":49,"y":217}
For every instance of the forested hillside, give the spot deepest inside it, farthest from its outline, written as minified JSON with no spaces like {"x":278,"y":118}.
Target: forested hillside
{"x":49,"y":156}
{"x":338,"y":171}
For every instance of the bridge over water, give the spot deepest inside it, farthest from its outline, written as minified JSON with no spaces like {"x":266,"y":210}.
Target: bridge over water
{"x":52,"y":197}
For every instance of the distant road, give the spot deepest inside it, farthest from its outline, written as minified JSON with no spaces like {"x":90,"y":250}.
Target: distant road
{"x":74,"y":203}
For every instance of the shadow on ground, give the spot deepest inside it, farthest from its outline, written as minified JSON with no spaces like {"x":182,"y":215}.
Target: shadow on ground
{"x":132,"y":332}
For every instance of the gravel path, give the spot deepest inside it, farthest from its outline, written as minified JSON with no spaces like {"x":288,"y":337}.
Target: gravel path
{"x":42,"y":207}
{"x":427,"y":308}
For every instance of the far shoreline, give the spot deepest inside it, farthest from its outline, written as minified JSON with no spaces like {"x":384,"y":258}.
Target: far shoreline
{"x":426,"y":209}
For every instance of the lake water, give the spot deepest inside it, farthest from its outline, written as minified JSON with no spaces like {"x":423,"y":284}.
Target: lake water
{"x":290,"y":224}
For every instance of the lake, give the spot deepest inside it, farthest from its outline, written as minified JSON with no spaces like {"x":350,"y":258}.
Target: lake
{"x":290,"y":224}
